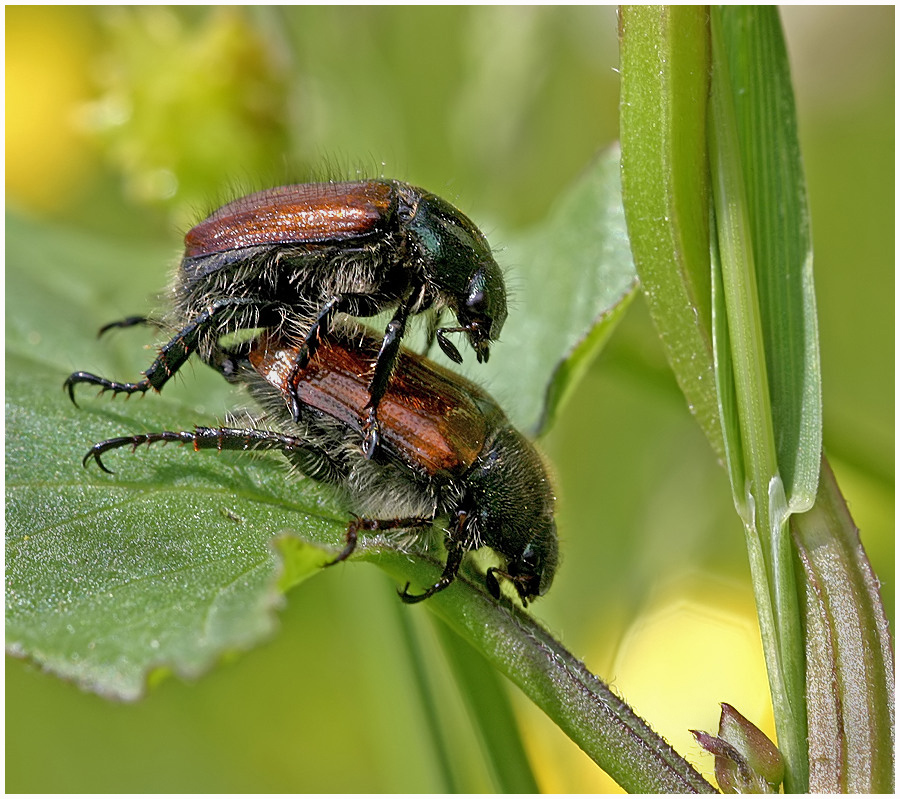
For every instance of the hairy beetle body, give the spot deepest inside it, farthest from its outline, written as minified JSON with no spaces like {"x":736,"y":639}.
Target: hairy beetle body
{"x":448,"y":451}
{"x":294,"y":258}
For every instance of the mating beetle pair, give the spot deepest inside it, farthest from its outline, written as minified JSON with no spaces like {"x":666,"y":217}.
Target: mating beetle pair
{"x":290,"y":260}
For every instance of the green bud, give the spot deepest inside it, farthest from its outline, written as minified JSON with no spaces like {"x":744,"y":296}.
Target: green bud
{"x":746,"y":760}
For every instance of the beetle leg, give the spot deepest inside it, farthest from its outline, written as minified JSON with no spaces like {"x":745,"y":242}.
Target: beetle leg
{"x":357,"y":523}
{"x":451,"y":569}
{"x":130,"y":321}
{"x":384,"y":368}
{"x":304,"y":353}
{"x":308,"y":458}
{"x":172,"y":355}
{"x":457,"y":545}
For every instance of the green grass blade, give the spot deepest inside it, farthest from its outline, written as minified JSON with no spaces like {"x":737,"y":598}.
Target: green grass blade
{"x":741,"y":173}
{"x":665,"y":183}
{"x":487,"y":699}
{"x":428,"y":699}
{"x":758,"y":327}
{"x":778,"y":218}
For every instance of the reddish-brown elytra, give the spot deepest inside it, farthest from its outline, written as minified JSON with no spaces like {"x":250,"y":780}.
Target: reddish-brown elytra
{"x":447,"y":451}
{"x":429,"y":416}
{"x":310,"y":212}
{"x":294,"y":258}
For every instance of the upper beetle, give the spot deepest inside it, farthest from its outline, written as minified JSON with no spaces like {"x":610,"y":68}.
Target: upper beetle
{"x":290,"y":258}
{"x":448,"y":451}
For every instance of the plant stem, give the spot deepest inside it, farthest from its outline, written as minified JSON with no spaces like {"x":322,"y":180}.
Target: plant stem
{"x":581,"y":704}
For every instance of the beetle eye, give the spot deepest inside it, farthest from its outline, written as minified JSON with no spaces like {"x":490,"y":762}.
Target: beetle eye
{"x":485,"y":302}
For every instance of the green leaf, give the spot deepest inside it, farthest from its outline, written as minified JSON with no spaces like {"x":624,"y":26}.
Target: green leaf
{"x":850,"y":672}
{"x":571,"y":279}
{"x":665,"y":182}
{"x":167,"y":565}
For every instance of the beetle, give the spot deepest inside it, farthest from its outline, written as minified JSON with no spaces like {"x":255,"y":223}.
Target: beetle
{"x":293,"y":258}
{"x":448,"y":453}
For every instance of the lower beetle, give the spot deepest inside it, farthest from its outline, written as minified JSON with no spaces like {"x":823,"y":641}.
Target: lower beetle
{"x":291,"y":259}
{"x":448,"y":452}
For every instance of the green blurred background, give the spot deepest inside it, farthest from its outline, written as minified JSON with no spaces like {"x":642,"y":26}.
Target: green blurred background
{"x":129,"y":123}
